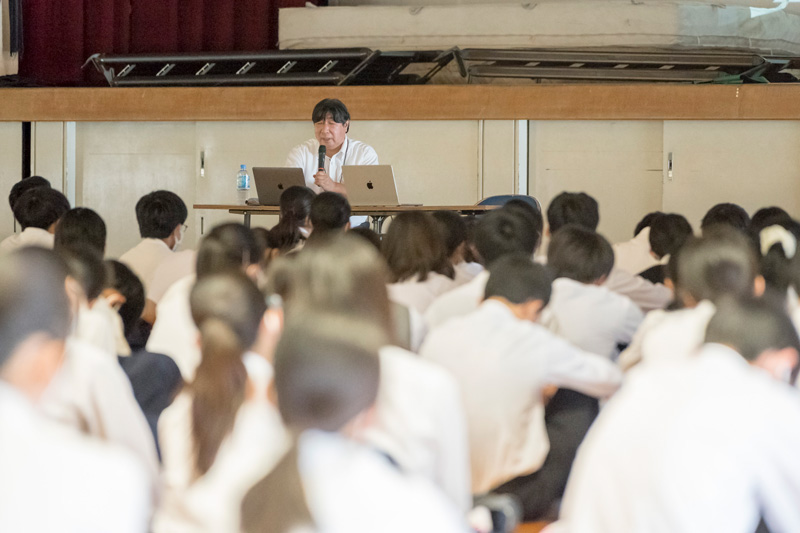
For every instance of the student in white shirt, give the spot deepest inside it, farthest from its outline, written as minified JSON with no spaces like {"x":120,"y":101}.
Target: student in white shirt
{"x":221,"y":434}
{"x":327,"y":380}
{"x":227,"y":248}
{"x":37,"y":210}
{"x":420,"y":269}
{"x":419,"y":417}
{"x":634,"y":256}
{"x":581,"y":309}
{"x":53,"y":478}
{"x":668,"y":232}
{"x":497,"y":233}
{"x":503,"y":361}
{"x":708,"y":443}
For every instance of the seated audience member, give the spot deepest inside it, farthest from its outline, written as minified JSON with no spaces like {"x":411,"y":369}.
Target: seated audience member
{"x":454,"y":228}
{"x":53,"y":478}
{"x":161,"y":216}
{"x":668,"y":232}
{"x":497,"y":233}
{"x":330,"y":214}
{"x":294,"y":224}
{"x":720,"y":264}
{"x":329,"y":480}
{"x":707,"y":444}
{"x":767,"y":216}
{"x":726,"y":215}
{"x":221,"y":434}
{"x":24,"y":185}
{"x":531,"y":215}
{"x":227,"y":248}
{"x":581,"y":309}
{"x":176,"y":266}
{"x":635,"y":255}
{"x":503,"y":360}
{"x":582,"y":210}
{"x":778,"y":264}
{"x":419,"y":267}
{"x":419,"y":418}
{"x":82,"y":227}
{"x":37,"y":210}
{"x":155,"y":377}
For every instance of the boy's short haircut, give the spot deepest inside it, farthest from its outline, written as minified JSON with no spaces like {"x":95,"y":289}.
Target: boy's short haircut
{"x":122,"y":279}
{"x":580,"y":254}
{"x":159,"y":213}
{"x":646,"y":221}
{"x":516,"y":278}
{"x":229,"y":247}
{"x":726,"y":214}
{"x":330,"y":211}
{"x":454,"y":229}
{"x":532,"y":216}
{"x":500,"y":232}
{"x":720,"y":263}
{"x":20,"y":187}
{"x":40,"y":207}
{"x":32,"y":298}
{"x":81,"y":226}
{"x":86,"y":266}
{"x":752,"y":326}
{"x":668,"y":232}
{"x":573,"y":208}
{"x":333,"y":107}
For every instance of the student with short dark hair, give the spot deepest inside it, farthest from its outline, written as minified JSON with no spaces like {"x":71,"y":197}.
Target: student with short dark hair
{"x":81,"y":226}
{"x":37,"y":210}
{"x":668,"y":232}
{"x":726,"y":214}
{"x":503,"y":360}
{"x":330,"y":214}
{"x":24,"y":185}
{"x":573,"y":208}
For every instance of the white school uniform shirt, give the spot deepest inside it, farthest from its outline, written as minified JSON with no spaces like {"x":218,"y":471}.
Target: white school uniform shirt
{"x":175,"y":267}
{"x":420,"y":423}
{"x":174,"y":333}
{"x":144,"y":259}
{"x":102,"y":327}
{"x":419,"y":295}
{"x":212,"y":502}
{"x":501,"y":364}
{"x":591,"y":317}
{"x":634,"y":256}
{"x":457,"y":302}
{"x":90,"y":392}
{"x":54,"y":479}
{"x":352,"y":489}
{"x":646,"y":295}
{"x":466,"y":272}
{"x":27,"y":237}
{"x":707,"y":443}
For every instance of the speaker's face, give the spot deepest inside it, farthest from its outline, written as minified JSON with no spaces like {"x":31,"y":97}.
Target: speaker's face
{"x":331,"y":134}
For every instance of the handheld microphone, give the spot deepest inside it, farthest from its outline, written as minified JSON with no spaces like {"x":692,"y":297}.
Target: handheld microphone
{"x":322,"y":151}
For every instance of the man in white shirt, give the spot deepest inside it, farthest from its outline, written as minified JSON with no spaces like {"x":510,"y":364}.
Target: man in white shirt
{"x":708,"y":443}
{"x":53,"y":478}
{"x":37,"y":210}
{"x":503,"y":361}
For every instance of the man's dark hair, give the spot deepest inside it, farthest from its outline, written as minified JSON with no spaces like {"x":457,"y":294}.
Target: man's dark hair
{"x":40,"y":207}
{"x":86,"y":266}
{"x":579,"y":254}
{"x":668,"y":232}
{"x":531,"y":214}
{"x":573,"y":208}
{"x":330,"y":106}
{"x":330,"y":211}
{"x":122,"y":279}
{"x":453,"y":228}
{"x":646,"y":222}
{"x":81,"y":226}
{"x":752,"y":326}
{"x":500,"y":232}
{"x":32,"y":298}
{"x":518,"y":279}
{"x":726,"y":214}
{"x":159,"y":213}
{"x":414,"y":246}
{"x":227,"y":248}
{"x":20,"y":187}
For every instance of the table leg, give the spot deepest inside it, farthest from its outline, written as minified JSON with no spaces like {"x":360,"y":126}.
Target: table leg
{"x":377,"y":223}
{"x":247,"y":220}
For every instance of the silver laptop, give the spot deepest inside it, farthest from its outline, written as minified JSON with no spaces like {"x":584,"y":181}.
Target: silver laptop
{"x":272,"y":181}
{"x":370,"y":185}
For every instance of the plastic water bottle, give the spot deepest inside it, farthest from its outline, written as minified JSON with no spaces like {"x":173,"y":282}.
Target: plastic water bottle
{"x":242,"y":185}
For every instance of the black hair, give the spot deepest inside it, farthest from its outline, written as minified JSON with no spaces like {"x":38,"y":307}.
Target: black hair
{"x":86,"y":266}
{"x":646,"y":222}
{"x":518,"y":279}
{"x":500,"y":232}
{"x":580,"y":254}
{"x":573,"y":208}
{"x":32,"y":298}
{"x":668,"y":232}
{"x":40,"y":207}
{"x":726,"y":214}
{"x":531,"y":214}
{"x":370,"y":236}
{"x":81,"y":225}
{"x":333,"y":107}
{"x":453,"y":228}
{"x":295,"y":204}
{"x":228,"y":247}
{"x":330,"y":211}
{"x":31,"y":182}
{"x":752,"y":326}
{"x":159,"y":213}
{"x":122,"y":279}
{"x":767,"y":216}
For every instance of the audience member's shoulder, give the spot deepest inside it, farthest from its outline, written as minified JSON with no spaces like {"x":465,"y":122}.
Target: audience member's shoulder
{"x":397,"y":361}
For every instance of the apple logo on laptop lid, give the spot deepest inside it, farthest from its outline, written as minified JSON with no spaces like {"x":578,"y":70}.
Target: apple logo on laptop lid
{"x":280,"y":186}
{"x":369,"y":185}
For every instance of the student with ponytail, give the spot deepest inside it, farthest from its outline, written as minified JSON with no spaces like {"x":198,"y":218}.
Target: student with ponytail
{"x":294,"y":225}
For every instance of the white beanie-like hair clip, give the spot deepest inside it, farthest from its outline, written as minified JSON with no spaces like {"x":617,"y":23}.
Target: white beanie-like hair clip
{"x":773,"y":235}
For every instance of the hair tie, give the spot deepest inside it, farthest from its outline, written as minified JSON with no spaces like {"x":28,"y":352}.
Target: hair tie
{"x":773,"y":235}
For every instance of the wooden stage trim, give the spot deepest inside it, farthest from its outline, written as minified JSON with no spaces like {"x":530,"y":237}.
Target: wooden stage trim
{"x":429,"y":102}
